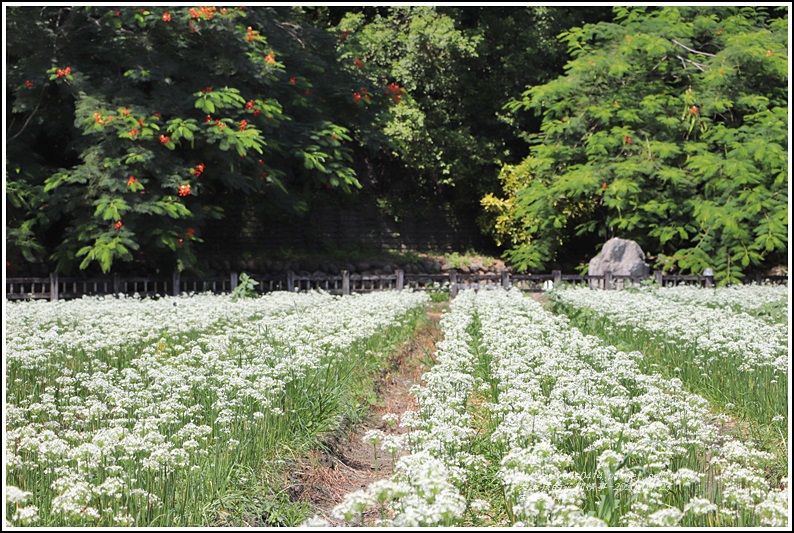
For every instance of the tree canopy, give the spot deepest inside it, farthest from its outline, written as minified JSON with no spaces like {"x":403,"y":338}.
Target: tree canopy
{"x":669,"y":127}
{"x":132,"y":131}
{"x":126,"y":124}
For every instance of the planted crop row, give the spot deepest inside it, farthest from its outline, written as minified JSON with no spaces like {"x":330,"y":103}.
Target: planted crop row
{"x":738,"y":362}
{"x":525,"y":421}
{"x":141,"y":412}
{"x":769,"y":302}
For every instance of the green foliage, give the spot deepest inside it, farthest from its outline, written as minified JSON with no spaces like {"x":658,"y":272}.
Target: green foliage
{"x":149,"y":117}
{"x":246,"y":288}
{"x":669,"y":128}
{"x":452,"y":70}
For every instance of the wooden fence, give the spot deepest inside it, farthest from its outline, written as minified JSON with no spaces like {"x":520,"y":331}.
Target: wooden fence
{"x":55,"y":287}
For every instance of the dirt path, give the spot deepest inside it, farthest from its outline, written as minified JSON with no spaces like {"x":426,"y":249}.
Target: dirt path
{"x":349,"y":464}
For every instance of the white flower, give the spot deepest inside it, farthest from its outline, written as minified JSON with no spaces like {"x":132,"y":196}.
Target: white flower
{"x":373,"y":436}
{"x":665,"y":517}
{"x":14,"y":495}
{"x":390,"y":419}
{"x":26,"y":515}
{"x":699,"y":506}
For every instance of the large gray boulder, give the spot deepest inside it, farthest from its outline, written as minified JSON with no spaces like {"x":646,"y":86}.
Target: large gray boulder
{"x":622,"y":257}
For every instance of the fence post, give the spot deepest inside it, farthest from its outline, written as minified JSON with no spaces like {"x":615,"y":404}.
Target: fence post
{"x":557,"y":275}
{"x":608,"y":280}
{"x":345,"y":282}
{"x":175,"y":283}
{"x":453,"y":283}
{"x":709,"y":281}
{"x":233,"y":281}
{"x":400,"y":279}
{"x":116,"y":284}
{"x":54,"y":287}
{"x":505,"y":279}
{"x":290,"y":281}
{"x":659,"y":277}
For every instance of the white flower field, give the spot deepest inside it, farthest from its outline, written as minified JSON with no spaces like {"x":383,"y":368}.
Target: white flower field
{"x":125,"y":412}
{"x":629,"y":408}
{"x":524,"y":421}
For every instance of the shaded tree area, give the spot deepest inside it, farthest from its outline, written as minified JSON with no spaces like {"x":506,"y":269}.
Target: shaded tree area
{"x":131,"y":128}
{"x":449,"y":134}
{"x":133,"y":133}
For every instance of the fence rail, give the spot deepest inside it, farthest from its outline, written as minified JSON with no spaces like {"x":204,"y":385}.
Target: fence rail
{"x":55,"y":287}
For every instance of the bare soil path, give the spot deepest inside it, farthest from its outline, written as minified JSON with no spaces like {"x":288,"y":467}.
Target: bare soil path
{"x":348,"y":464}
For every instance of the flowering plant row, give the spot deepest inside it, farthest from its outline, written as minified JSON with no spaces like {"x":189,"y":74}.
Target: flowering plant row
{"x":737,"y":361}
{"x":131,"y":411}
{"x":718,"y":331}
{"x":525,"y":421}
{"x":750,"y":298}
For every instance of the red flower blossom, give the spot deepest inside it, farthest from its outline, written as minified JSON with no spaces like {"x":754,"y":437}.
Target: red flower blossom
{"x":28,"y":84}
{"x":118,"y":225}
{"x":604,"y":185}
{"x":344,"y":35}
{"x":166,"y":17}
{"x":158,"y":115}
{"x":140,"y":122}
{"x":249,"y":104}
{"x":292,"y":80}
{"x":125,"y":111}
{"x":65,"y":72}
{"x":208,"y":119}
{"x":198,"y":169}
{"x":98,"y":118}
{"x":243,"y":124}
{"x":271,"y":58}
{"x":356,"y":97}
{"x":694,"y":110}
{"x":393,"y":88}
{"x":190,"y":232}
{"x":164,"y":139}
{"x":179,"y":241}
{"x":358,"y":63}
{"x":184,"y":190}
{"x":257,"y":111}
{"x":769,"y":52}
{"x":627,"y":140}
{"x":396,"y":98}
{"x":131,"y":180}
{"x":134,"y":132}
